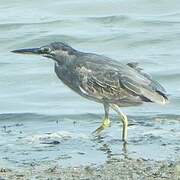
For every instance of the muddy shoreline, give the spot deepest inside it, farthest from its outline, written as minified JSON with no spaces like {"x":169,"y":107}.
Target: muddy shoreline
{"x":47,"y":151}
{"x":124,"y":168}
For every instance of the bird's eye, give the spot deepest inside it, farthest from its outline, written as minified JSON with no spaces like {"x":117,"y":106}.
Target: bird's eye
{"x":45,"y":49}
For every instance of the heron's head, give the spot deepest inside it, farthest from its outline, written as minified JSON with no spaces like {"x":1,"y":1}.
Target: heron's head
{"x":53,"y":50}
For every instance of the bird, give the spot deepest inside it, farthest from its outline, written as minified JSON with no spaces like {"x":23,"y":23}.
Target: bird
{"x":103,"y":80}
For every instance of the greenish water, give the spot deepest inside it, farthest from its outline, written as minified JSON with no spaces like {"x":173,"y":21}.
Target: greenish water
{"x":33,"y":98}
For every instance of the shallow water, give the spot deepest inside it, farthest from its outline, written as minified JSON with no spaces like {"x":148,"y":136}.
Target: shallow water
{"x":30,"y":139}
{"x":143,"y":31}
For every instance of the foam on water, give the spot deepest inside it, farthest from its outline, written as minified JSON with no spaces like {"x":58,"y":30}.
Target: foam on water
{"x":55,"y":137}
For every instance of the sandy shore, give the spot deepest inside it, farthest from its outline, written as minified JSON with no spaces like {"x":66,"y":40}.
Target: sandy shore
{"x":114,"y":169}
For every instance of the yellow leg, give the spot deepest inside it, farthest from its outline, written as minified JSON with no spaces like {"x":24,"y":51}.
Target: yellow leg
{"x":106,"y":121}
{"x":124,"y":120}
{"x":105,"y":124}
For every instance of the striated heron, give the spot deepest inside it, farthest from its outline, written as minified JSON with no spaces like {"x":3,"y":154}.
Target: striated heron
{"x":102,"y":79}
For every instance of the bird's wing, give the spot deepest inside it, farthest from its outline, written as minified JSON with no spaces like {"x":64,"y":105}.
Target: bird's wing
{"x":103,"y":84}
{"x":100,"y":83}
{"x":148,"y":91}
{"x":111,"y":79}
{"x":143,"y":85}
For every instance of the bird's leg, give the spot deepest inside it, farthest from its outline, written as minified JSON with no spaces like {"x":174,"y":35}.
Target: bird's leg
{"x":124,"y":120}
{"x":106,"y":121}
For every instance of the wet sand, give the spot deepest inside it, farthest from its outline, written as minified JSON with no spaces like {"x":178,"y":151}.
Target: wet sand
{"x":115,"y":169}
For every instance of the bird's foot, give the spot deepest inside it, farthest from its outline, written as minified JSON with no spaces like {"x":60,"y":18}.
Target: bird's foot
{"x":106,"y":123}
{"x":124,"y":149}
{"x":98,"y":130}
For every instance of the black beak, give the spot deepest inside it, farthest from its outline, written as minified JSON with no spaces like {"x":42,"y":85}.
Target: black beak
{"x":34,"y":51}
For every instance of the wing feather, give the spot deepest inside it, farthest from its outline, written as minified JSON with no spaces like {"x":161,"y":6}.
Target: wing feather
{"x":147,"y":91}
{"x":105,"y":78}
{"x":105,"y":86}
{"x":155,"y":84}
